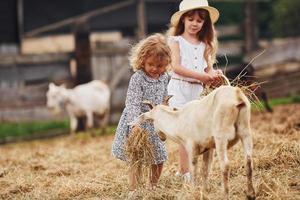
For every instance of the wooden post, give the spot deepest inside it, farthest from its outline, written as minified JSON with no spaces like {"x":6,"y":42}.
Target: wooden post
{"x":83,"y":59}
{"x":141,"y":17}
{"x":20,"y":17}
{"x":251,"y":31}
{"x":82,"y":52}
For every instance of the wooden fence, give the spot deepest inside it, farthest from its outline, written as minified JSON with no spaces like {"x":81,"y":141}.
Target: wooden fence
{"x":281,"y":80}
{"x":24,"y":81}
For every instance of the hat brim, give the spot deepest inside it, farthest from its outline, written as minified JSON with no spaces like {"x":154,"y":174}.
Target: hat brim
{"x":213,"y":13}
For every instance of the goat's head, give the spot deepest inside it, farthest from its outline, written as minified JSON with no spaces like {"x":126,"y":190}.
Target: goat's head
{"x":56,"y":97}
{"x":152,"y":115}
{"x":144,"y":116}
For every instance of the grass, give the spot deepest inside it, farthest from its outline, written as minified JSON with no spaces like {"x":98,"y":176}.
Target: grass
{"x":21,"y":129}
{"x":278,"y":101}
{"x":30,"y":129}
{"x":285,"y":100}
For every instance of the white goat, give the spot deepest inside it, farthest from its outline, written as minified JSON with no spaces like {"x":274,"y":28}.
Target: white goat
{"x":84,"y":100}
{"x":218,"y":121}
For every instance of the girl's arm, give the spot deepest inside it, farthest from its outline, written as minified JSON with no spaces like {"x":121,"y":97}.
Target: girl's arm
{"x":179,"y":69}
{"x":215,"y":72}
{"x":217,"y":75}
{"x":134,"y":97}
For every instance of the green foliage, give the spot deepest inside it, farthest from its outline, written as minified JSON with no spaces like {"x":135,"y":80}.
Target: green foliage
{"x":296,"y":99}
{"x":275,"y":18}
{"x":231,"y":12}
{"x":286,"y":18}
{"x":264,"y":18}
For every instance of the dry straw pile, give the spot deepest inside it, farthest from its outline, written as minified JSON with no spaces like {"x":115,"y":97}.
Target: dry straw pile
{"x":83,"y":168}
{"x":140,"y":153}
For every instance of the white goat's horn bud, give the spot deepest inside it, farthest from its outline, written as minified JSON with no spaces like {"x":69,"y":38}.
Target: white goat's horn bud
{"x":166,"y":100}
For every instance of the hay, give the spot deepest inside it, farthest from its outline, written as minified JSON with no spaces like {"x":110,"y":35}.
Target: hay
{"x":247,"y":89}
{"x":95,"y":174}
{"x":140,"y":153}
{"x":209,"y":88}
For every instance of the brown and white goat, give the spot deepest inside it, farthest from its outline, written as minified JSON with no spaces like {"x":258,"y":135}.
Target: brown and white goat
{"x":217,"y":121}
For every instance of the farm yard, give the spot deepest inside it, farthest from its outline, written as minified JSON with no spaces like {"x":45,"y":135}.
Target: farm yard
{"x":81,"y":167}
{"x":54,"y":55}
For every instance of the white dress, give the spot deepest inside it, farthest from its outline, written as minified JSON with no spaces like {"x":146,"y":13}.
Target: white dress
{"x":192,"y":57}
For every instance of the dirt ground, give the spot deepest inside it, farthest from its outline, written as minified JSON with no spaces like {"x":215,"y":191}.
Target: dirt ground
{"x":82,"y":167}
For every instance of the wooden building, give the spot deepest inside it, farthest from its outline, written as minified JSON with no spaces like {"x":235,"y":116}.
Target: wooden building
{"x":25,"y":74}
{"x":24,"y":77}
{"x":279,"y":67}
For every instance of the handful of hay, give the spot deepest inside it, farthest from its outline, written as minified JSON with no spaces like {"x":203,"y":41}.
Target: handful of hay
{"x":140,"y":152}
{"x":209,"y":88}
{"x":247,"y":88}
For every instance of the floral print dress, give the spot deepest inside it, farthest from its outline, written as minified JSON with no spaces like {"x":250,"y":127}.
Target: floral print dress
{"x":141,"y":87}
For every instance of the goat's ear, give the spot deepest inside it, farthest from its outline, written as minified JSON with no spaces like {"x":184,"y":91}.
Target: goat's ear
{"x":51,"y":85}
{"x":147,"y":102}
{"x":63,"y":85}
{"x":166,"y":100}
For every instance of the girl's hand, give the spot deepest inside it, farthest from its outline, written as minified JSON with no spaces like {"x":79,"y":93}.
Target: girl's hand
{"x":217,"y":72}
{"x":207,"y":79}
{"x":217,"y":80}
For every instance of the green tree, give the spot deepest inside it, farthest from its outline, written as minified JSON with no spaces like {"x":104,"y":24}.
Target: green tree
{"x":286,"y":18}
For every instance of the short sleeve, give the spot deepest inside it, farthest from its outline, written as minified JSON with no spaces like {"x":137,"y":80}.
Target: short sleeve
{"x":172,"y":39}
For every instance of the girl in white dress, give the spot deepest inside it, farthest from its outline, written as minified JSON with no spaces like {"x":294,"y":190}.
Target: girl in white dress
{"x":193,"y":46}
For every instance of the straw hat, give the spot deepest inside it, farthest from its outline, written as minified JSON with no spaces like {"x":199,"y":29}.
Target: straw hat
{"x":187,"y":5}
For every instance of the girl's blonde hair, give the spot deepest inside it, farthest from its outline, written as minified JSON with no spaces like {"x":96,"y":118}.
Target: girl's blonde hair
{"x":207,"y":34}
{"x":154,"y":46}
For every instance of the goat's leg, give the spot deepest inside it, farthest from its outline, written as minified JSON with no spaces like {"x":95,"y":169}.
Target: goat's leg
{"x":195,"y":162}
{"x":183,"y":159}
{"x":206,"y":166}
{"x":90,"y":122}
{"x":244,"y":132}
{"x":73,"y":124}
{"x":247,"y":145}
{"x":221,"y":147}
{"x":104,"y":121}
{"x":90,"y":119}
{"x":189,"y":146}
